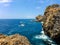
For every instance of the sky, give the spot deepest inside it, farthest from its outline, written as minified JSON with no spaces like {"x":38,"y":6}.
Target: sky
{"x":24,"y":9}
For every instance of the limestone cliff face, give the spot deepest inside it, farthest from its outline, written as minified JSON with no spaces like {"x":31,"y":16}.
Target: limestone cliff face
{"x":39,"y":18}
{"x":13,"y":40}
{"x":51,"y":21}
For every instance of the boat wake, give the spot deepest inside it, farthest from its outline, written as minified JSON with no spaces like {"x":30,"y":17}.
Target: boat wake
{"x":22,"y":24}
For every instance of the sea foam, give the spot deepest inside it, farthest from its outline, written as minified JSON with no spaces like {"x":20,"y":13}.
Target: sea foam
{"x":45,"y":38}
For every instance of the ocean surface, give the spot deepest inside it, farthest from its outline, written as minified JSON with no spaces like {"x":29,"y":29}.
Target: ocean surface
{"x":26,"y":27}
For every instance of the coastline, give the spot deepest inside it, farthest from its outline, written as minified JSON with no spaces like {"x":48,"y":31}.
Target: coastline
{"x":15,"y":39}
{"x":51,"y":19}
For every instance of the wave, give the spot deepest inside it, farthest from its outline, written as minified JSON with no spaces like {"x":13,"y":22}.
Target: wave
{"x":45,"y":38}
{"x":21,"y":24}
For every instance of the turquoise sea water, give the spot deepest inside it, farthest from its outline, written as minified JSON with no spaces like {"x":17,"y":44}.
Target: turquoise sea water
{"x":25,"y":27}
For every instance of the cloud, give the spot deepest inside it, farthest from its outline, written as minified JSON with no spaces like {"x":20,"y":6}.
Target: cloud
{"x":38,"y":7}
{"x":6,"y":5}
{"x":5,"y":2}
{"x":43,"y":1}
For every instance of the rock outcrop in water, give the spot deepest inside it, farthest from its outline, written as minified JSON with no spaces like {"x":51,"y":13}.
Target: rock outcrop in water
{"x":51,"y":22}
{"x":13,"y":40}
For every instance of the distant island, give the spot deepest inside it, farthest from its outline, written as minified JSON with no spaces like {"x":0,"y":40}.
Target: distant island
{"x":51,"y":22}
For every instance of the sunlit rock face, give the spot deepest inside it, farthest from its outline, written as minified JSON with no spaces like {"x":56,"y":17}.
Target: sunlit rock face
{"x":39,"y":18}
{"x":51,"y":19}
{"x":51,"y":24}
{"x":13,"y":40}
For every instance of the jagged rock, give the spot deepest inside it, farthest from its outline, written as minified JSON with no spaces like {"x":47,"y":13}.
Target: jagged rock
{"x":39,"y":18}
{"x":13,"y":40}
{"x":51,"y":19}
{"x":2,"y":36}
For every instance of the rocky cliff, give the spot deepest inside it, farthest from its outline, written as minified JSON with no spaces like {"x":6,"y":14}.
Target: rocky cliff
{"x":51,"y":22}
{"x":13,"y":40}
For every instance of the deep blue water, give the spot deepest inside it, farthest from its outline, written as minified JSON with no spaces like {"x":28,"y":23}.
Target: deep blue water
{"x":25,"y":27}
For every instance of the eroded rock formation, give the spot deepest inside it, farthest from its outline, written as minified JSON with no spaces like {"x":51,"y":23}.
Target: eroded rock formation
{"x":51,"y":19}
{"x":13,"y":40}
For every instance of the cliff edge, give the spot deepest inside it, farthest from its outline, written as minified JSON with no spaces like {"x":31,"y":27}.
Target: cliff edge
{"x":51,"y":22}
